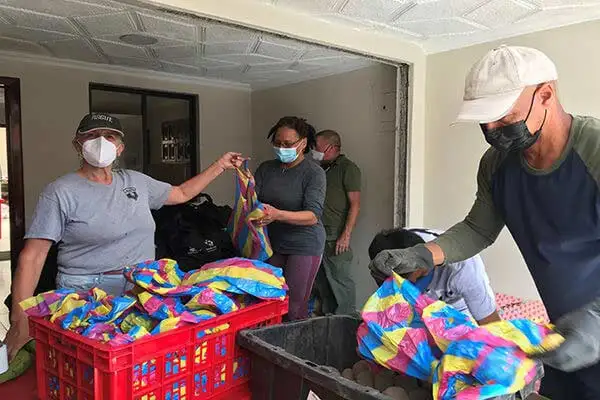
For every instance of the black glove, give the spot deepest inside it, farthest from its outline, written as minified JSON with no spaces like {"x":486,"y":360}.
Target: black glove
{"x":581,"y":348}
{"x":401,"y":261}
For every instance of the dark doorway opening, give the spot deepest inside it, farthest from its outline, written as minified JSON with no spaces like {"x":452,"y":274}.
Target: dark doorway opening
{"x":12,"y":203}
{"x":161,"y":129}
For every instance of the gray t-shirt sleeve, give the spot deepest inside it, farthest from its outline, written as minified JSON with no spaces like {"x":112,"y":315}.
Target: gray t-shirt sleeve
{"x":49,"y":219}
{"x":472,"y":282}
{"x":158,"y":192}
{"x":314,"y":194}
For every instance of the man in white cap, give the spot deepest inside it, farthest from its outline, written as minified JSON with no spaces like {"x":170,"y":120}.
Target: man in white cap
{"x":541,"y":179}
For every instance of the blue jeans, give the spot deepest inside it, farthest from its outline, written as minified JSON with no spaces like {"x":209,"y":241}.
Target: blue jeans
{"x":114,"y":285}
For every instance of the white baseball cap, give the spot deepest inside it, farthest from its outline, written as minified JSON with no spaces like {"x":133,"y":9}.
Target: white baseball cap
{"x":495,"y":82}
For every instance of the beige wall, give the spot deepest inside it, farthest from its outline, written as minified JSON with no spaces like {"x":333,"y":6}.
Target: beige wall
{"x":54,"y":98}
{"x":347,"y":103}
{"x":453,"y":153}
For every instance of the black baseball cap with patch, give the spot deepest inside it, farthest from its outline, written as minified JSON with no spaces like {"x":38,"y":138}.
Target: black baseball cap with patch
{"x":95,"y":121}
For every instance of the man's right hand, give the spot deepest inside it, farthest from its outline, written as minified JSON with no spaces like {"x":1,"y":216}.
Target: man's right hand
{"x":401,"y":261}
{"x":17,"y":336}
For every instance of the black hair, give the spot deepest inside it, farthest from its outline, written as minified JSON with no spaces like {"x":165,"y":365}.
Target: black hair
{"x":303,"y":128}
{"x":393,"y":239}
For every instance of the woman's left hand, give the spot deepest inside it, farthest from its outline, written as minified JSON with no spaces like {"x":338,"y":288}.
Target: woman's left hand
{"x":231,"y":160}
{"x":271,"y":214}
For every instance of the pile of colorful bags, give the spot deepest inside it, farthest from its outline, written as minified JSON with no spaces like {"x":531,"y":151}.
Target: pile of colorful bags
{"x":162,"y":298}
{"x":406,"y":331}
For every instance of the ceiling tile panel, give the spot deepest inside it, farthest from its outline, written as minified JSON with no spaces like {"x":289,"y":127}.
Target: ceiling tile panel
{"x":246,"y":58}
{"x":286,"y":74}
{"x":108,"y":24}
{"x":31,"y":35}
{"x":136,"y":63}
{"x":436,"y":9}
{"x":31,"y":19}
{"x":216,"y":64}
{"x":214,"y":33}
{"x":284,"y":42}
{"x":67,"y":8}
{"x":564,"y":4}
{"x":181,"y":69}
{"x":227,"y":48}
{"x":306,"y":67}
{"x":373,"y":10}
{"x":170,"y":28}
{"x":176,"y":52}
{"x":270,"y":67}
{"x":114,"y":49}
{"x":8,"y":44}
{"x":314,"y":6}
{"x":277,"y":51}
{"x":441,"y":27}
{"x":161,"y":41}
{"x":497,"y":13}
{"x":321,"y":52}
{"x":77,"y":49}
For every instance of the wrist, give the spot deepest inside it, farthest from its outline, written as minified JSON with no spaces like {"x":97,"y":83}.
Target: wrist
{"x":218,"y":167}
{"x":425,"y":255}
{"x":277,"y":214}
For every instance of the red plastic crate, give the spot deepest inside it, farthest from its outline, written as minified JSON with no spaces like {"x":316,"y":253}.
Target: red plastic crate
{"x":194,"y":362}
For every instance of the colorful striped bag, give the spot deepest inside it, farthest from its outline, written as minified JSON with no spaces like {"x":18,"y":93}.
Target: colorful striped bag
{"x":406,"y":331}
{"x":251,"y":240}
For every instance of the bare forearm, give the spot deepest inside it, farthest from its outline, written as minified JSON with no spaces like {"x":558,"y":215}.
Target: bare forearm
{"x":26,"y":278}
{"x":304,"y":218}
{"x":194,"y":186}
{"x":351,"y":219}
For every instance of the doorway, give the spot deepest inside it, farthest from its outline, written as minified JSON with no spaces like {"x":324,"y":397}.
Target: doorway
{"x":12,"y":214}
{"x":160,"y":129}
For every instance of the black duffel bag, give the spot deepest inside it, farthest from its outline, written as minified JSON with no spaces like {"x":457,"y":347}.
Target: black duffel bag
{"x":194,"y":233}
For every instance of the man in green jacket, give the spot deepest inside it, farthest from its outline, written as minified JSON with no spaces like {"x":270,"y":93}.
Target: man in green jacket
{"x":342,"y":204}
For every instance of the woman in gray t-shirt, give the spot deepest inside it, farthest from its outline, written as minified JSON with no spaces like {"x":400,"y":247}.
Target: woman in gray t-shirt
{"x":293,"y":190}
{"x":99,"y":216}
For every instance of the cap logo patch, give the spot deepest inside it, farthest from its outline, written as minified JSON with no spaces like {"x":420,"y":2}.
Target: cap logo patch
{"x":102,"y":117}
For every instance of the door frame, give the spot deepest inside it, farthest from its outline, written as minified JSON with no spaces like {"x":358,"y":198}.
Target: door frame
{"x":193,"y":112}
{"x":14,"y":147}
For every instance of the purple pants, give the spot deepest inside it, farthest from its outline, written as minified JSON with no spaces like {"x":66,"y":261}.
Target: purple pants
{"x":299,"y":273}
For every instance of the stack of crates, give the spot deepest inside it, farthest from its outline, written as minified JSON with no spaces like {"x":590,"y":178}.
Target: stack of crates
{"x":190,"y":363}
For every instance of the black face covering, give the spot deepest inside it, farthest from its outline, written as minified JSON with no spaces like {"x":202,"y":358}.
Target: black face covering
{"x":513,"y":137}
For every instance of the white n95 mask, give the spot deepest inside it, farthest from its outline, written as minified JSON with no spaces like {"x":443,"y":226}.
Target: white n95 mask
{"x":317,"y":155}
{"x":99,"y":152}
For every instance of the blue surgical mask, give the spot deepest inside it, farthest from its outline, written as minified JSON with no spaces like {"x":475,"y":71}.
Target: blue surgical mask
{"x":286,"y":155}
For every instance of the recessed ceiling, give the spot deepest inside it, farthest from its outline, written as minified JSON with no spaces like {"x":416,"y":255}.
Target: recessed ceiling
{"x":440,"y":25}
{"x":99,"y":31}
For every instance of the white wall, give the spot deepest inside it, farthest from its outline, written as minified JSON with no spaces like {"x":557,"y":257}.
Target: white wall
{"x":453,"y":153}
{"x":347,"y":103}
{"x":54,"y":98}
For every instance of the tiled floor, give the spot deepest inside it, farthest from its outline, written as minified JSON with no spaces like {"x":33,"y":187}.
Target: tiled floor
{"x":5,"y":234}
{"x":4,"y":290}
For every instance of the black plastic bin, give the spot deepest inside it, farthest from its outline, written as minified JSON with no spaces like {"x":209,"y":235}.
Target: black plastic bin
{"x":290,"y":360}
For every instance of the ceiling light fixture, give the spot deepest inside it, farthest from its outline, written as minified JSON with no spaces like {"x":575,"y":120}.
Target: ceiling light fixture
{"x":137,"y":39}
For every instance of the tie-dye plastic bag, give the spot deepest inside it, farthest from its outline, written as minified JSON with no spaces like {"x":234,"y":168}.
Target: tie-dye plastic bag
{"x":406,"y":331}
{"x":252,"y":241}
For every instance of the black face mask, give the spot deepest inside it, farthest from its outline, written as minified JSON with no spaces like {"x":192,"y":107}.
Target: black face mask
{"x":513,"y":137}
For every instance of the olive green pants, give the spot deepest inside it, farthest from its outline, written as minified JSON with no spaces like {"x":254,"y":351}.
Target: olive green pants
{"x":335,"y":284}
